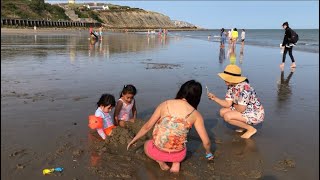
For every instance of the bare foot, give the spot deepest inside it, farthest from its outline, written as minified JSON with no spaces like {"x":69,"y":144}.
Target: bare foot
{"x":281,"y":65}
{"x":249,"y":133}
{"x":240,"y":130}
{"x":293,"y":65}
{"x":163,"y":165}
{"x":175,"y":168}
{"x":281,"y":68}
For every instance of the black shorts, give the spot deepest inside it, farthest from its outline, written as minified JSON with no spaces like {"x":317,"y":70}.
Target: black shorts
{"x":242,"y":40}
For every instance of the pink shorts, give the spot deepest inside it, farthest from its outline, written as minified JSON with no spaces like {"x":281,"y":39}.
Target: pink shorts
{"x":154,"y":153}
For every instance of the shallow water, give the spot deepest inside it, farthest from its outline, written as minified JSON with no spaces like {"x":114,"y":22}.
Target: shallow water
{"x":308,"y":38}
{"x":50,"y":84}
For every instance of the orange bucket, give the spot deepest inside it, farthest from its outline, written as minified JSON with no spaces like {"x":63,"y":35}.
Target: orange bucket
{"x":95,"y":122}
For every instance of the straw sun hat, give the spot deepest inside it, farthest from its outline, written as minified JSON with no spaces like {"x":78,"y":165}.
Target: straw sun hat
{"x":232,"y":74}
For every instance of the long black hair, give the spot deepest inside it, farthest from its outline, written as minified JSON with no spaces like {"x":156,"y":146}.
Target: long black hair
{"x":128,"y":89}
{"x":191,"y":91}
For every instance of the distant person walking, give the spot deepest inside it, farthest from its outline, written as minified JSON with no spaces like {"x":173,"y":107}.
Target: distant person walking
{"x":100,"y":32}
{"x":229,"y":36}
{"x":234,"y":37}
{"x":223,"y":37}
{"x":90,"y":30}
{"x":288,"y":46}
{"x":160,"y":32}
{"x":243,"y":36}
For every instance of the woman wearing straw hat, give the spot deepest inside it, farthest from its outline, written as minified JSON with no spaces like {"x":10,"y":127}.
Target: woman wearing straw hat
{"x":241,"y":106}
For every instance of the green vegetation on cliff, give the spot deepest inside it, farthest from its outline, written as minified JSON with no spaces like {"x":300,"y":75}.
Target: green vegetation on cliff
{"x":111,"y":16}
{"x":88,"y":14}
{"x":32,"y":9}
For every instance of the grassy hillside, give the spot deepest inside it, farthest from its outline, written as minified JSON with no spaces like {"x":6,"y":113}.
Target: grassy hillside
{"x":32,"y":9}
{"x":115,"y":17}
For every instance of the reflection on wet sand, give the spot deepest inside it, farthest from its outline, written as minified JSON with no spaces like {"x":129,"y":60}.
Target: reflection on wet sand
{"x":95,"y":157}
{"x":38,"y":78}
{"x":232,"y":55}
{"x":79,"y":43}
{"x":222,"y":55}
{"x":284,"y":89}
{"x":126,"y":43}
{"x":241,"y":54}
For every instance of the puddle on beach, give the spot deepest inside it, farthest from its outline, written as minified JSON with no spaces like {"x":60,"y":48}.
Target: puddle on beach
{"x":50,"y":84}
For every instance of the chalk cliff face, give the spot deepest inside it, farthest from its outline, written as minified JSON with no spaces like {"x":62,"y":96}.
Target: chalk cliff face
{"x":135,"y":19}
{"x":183,"y":24}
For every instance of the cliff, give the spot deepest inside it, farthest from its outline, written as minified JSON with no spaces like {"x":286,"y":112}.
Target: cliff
{"x":183,"y":24}
{"x":35,"y":9}
{"x":135,"y":19}
{"x":114,"y":16}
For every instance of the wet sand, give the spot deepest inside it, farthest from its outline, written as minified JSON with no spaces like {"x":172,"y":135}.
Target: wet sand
{"x":51,"y":81}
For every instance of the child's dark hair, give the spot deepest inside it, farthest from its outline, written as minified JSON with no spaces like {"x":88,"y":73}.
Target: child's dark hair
{"x":191,"y":91}
{"x":106,"y":100}
{"x":128,"y":89}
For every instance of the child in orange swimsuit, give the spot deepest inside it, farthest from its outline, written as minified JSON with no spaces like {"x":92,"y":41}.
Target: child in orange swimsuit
{"x":102,"y":120}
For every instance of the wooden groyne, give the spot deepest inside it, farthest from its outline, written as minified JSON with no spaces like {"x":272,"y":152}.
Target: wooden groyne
{"x":46,"y":23}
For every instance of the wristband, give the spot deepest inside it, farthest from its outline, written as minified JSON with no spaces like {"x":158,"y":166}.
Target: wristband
{"x":209,"y":155}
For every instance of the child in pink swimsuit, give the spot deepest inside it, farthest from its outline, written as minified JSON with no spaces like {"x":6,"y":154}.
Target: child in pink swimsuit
{"x":125,"y":109}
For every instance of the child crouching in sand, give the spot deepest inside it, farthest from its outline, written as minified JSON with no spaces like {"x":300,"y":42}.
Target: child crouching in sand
{"x":125,"y":106}
{"x":241,"y":106}
{"x":101,"y":120}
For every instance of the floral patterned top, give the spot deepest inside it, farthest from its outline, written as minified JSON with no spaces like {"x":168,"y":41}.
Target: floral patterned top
{"x":170,"y":132}
{"x":243,"y":94}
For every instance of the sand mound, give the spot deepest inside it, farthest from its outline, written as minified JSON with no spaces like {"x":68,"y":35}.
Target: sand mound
{"x":120,"y":137}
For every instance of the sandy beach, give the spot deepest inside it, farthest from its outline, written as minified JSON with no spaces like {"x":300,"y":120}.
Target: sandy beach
{"x":71,"y":30}
{"x":52,"y":79}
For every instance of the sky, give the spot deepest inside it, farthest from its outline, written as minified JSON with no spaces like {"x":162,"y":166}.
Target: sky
{"x":213,"y":14}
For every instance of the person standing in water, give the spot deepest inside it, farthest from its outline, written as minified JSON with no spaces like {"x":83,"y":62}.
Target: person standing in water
{"x":229,"y":36}
{"x":234,"y":37}
{"x":223,"y":37}
{"x":287,"y":45}
{"x":243,"y":36}
{"x":100,"y":31}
